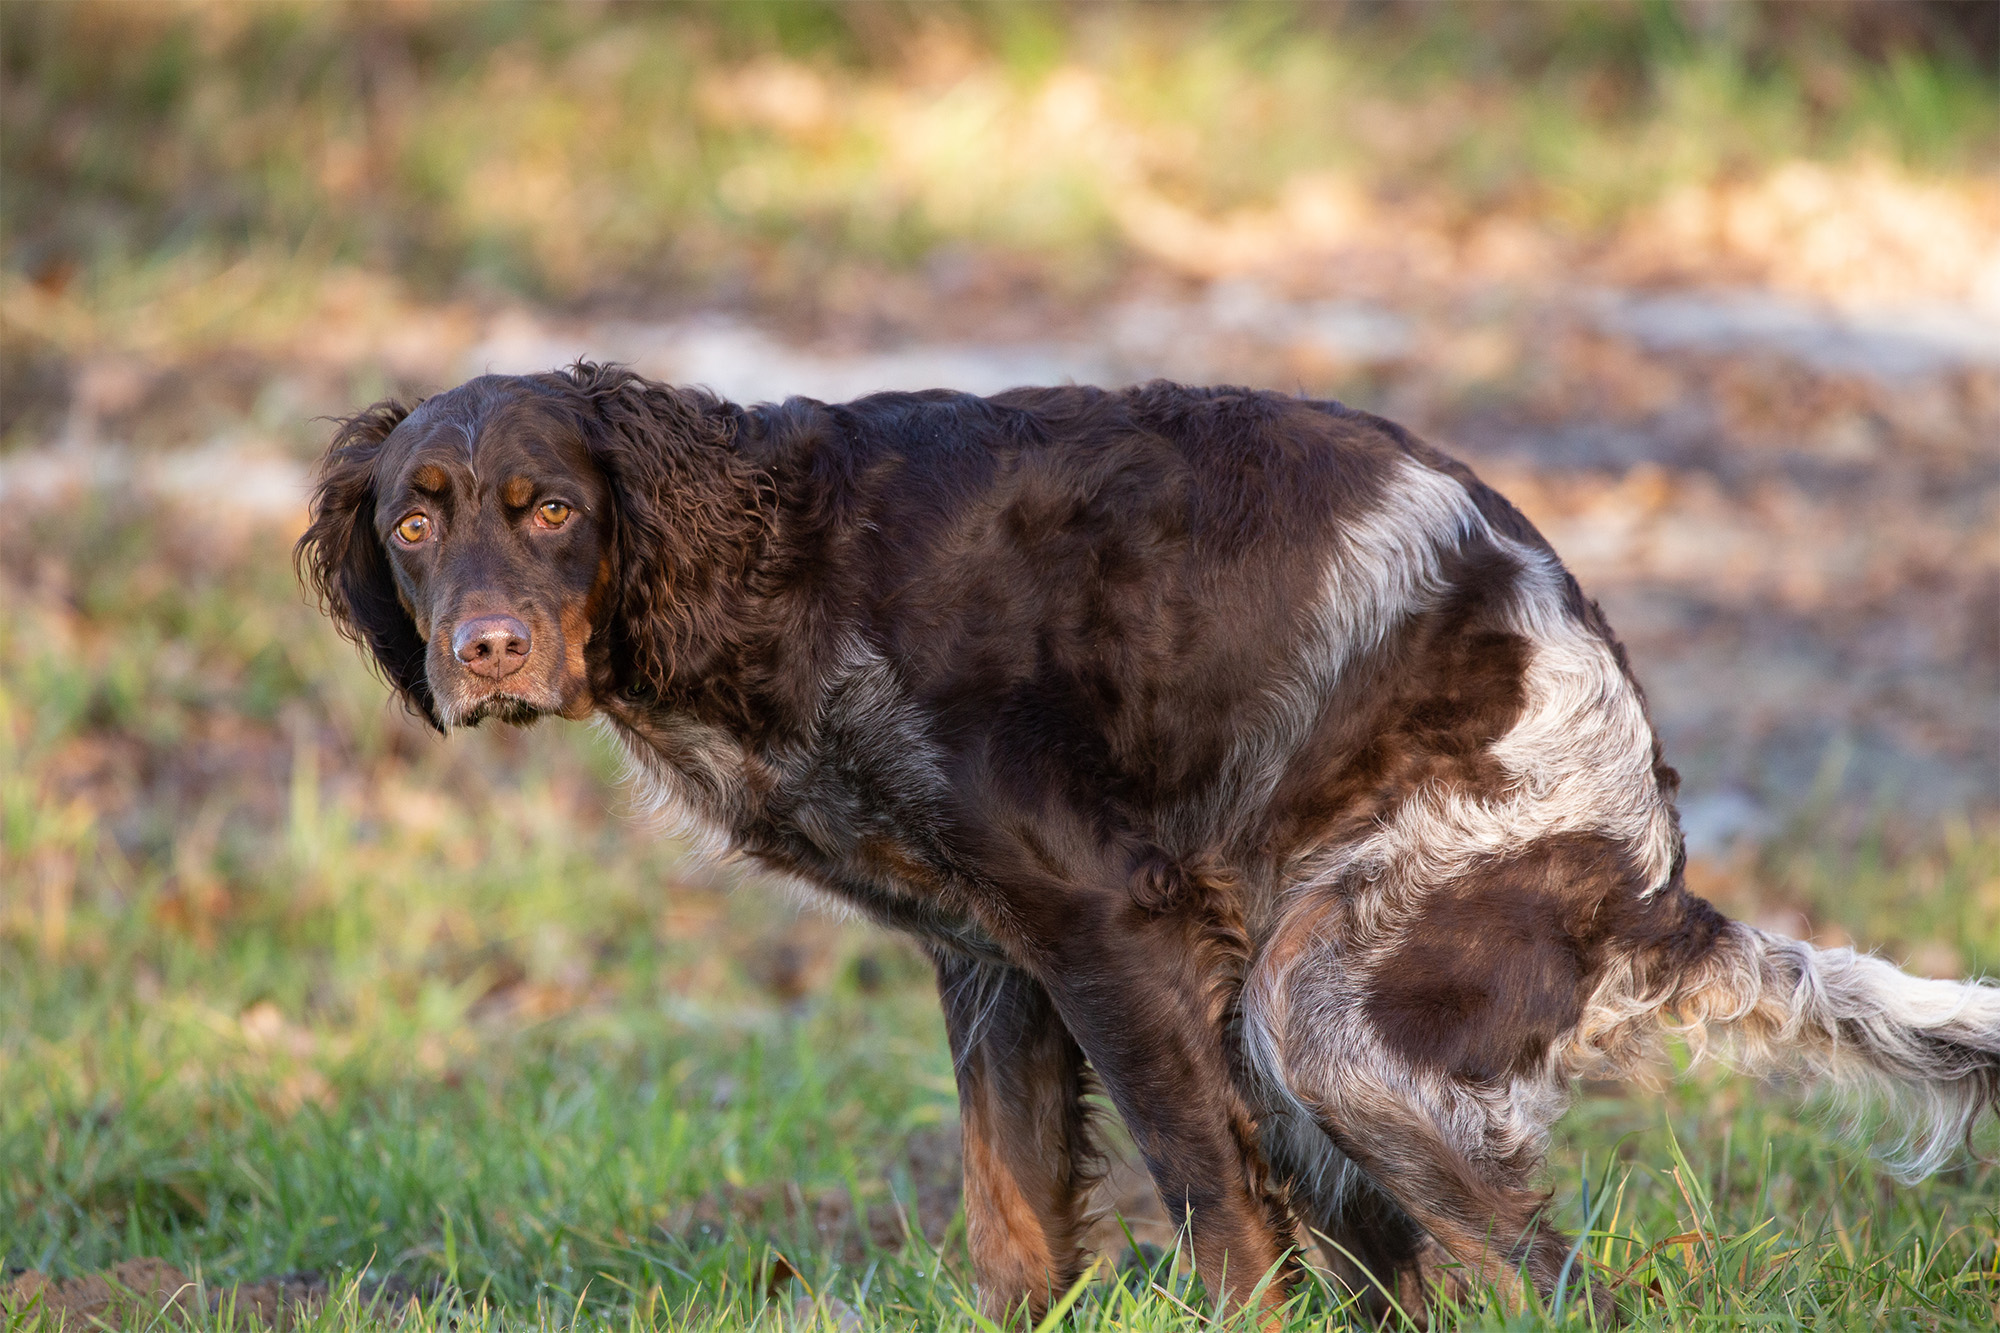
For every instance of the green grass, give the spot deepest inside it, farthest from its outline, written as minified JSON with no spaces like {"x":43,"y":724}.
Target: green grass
{"x":285,"y":984}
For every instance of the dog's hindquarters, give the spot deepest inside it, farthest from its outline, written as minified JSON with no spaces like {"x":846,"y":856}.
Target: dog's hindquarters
{"x":1430,"y":1035}
{"x":1419,"y":1030}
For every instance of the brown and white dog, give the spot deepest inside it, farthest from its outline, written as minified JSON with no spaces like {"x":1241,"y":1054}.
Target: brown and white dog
{"x":1239,"y":750}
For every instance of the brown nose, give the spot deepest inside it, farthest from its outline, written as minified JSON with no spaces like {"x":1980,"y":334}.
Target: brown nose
{"x":491,"y":646}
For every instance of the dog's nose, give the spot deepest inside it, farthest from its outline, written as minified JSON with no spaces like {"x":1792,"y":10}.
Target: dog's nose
{"x":491,"y":646}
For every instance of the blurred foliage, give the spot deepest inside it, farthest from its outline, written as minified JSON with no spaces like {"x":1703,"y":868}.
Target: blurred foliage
{"x":572,"y":151}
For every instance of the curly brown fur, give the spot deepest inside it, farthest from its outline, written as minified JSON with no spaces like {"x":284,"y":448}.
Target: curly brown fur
{"x":342,"y":561}
{"x":691,"y":519}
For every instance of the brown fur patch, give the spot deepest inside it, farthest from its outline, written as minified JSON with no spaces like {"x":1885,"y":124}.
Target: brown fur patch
{"x":1497,"y":966}
{"x":1425,"y":712}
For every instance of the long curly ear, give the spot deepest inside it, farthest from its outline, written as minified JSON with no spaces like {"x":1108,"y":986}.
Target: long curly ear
{"x":341,"y":560}
{"x":689,"y":520}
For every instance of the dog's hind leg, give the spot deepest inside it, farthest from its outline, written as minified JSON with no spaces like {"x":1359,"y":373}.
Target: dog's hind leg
{"x":1449,"y":1121}
{"x":1029,"y":1158}
{"x":1370,"y":1247}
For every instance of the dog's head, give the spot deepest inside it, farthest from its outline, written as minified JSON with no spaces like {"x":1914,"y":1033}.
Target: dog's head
{"x":523,"y":545}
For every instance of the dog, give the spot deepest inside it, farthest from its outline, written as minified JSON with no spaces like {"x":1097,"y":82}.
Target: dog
{"x":1238,"y":753}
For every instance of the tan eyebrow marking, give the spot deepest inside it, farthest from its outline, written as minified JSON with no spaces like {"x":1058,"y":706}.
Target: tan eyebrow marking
{"x":518,"y":492}
{"x":431,"y":479}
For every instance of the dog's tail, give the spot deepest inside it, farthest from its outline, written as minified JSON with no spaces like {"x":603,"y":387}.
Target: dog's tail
{"x":1767,"y":1004}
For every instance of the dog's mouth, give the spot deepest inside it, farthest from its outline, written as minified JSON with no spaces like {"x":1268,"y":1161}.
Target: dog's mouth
{"x":526,"y":702}
{"x":512,"y":709}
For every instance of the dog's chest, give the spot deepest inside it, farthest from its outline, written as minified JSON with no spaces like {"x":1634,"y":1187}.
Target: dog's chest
{"x":854,"y":803}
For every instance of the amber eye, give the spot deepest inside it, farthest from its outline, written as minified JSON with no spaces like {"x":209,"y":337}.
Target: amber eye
{"x":414,"y":528}
{"x":552,"y":514}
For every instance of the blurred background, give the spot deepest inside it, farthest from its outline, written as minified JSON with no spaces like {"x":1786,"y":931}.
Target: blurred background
{"x":1711,"y":290}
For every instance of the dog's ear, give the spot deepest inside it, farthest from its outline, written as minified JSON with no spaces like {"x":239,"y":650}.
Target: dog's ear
{"x":340,"y":558}
{"x":688,"y":521}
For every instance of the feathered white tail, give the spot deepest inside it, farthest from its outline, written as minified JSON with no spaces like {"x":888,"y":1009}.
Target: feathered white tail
{"x":1775,"y":1005}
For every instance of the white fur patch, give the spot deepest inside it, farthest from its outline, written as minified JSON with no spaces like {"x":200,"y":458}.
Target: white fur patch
{"x":1385,"y":568}
{"x":1579,"y":759}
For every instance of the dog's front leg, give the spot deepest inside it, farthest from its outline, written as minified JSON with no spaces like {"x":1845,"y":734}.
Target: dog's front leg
{"x":1141,"y":999}
{"x":1029,"y":1160}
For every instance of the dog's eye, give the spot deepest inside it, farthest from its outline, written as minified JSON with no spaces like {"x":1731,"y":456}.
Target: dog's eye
{"x":552,"y":514}
{"x":414,"y":528}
